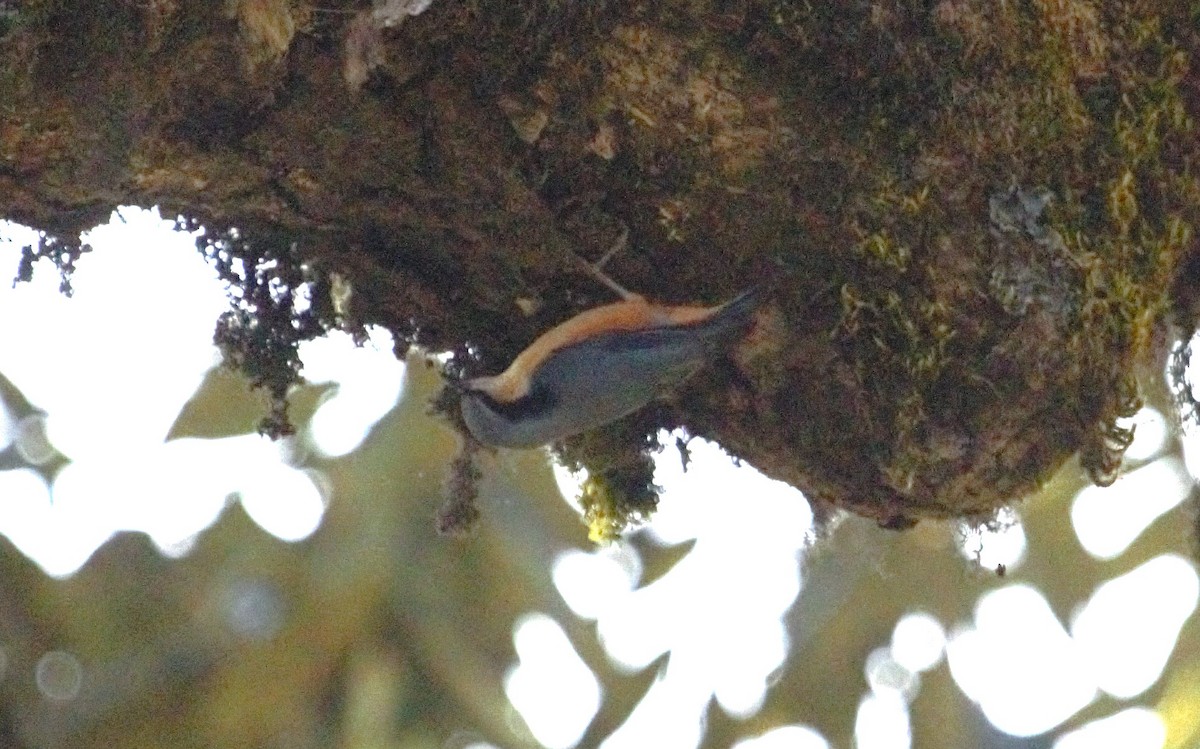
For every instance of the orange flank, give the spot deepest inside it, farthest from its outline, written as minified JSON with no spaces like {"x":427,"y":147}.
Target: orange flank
{"x":632,"y":314}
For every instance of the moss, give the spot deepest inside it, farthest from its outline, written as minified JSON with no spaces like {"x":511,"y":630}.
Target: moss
{"x":276,"y":303}
{"x":619,"y":490}
{"x":970,"y":216}
{"x":269,"y":26}
{"x":459,"y":512}
{"x":947,"y":110}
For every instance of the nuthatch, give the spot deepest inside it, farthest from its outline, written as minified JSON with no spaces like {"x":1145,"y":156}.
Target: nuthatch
{"x":598,"y":366}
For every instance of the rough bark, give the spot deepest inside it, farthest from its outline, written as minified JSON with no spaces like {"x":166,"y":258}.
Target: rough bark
{"x":939,"y":337}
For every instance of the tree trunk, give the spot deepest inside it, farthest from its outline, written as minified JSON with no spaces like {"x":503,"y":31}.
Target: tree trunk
{"x":971,"y":219}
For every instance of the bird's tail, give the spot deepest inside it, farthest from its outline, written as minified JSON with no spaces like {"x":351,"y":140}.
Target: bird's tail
{"x":738,"y":313}
{"x":734,"y":319}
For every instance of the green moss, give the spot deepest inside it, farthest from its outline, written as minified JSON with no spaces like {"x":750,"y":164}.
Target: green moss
{"x":853,"y":151}
{"x":868,"y":170}
{"x":619,"y":490}
{"x":845,"y":153}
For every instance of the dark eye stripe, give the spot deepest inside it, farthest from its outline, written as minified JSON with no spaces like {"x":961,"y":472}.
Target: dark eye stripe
{"x":538,"y":401}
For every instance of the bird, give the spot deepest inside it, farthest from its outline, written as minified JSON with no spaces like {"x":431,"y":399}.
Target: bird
{"x":598,"y":366}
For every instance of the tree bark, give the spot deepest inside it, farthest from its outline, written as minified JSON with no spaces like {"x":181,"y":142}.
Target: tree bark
{"x":973,"y":220}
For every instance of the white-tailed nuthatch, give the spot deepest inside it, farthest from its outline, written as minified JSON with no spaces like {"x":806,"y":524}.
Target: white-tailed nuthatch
{"x":598,"y":366}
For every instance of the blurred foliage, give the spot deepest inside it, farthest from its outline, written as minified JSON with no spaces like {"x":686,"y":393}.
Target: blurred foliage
{"x":226,"y":405}
{"x":376,"y":631}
